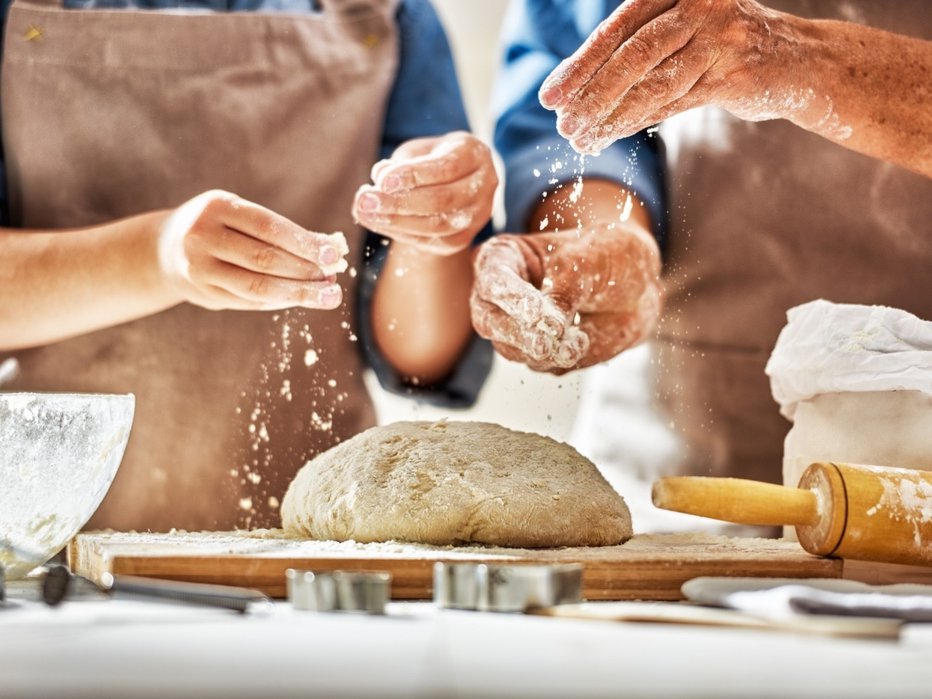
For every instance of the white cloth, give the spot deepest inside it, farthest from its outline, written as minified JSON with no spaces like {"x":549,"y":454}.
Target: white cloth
{"x":836,"y":348}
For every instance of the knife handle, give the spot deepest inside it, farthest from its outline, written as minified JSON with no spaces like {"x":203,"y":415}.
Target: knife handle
{"x":736,"y":500}
{"x":153,"y":589}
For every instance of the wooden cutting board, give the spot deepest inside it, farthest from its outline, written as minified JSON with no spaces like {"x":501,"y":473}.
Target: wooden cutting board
{"x":648,"y":567}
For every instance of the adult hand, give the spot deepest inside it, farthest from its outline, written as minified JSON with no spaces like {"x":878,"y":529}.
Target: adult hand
{"x":652,"y":59}
{"x":434,"y":194}
{"x":222,"y":252}
{"x":565,"y":300}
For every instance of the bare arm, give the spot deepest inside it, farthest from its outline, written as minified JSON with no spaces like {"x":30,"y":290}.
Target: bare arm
{"x":216,"y":251}
{"x":876,"y":90}
{"x":579,"y":292}
{"x":57,"y":284}
{"x":421,"y":311}
{"x":863,"y":88}
{"x":600,"y":202}
{"x":432,"y":197}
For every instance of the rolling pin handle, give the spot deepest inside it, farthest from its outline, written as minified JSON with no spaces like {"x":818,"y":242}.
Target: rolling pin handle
{"x":737,"y":500}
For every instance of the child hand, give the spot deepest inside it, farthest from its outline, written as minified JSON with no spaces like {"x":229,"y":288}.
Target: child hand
{"x":219,"y":251}
{"x":434,"y":194}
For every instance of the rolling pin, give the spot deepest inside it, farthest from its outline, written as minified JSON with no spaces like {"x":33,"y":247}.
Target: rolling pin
{"x":867,"y":513}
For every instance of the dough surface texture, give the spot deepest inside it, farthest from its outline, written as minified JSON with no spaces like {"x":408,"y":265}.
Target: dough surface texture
{"x":447,"y":483}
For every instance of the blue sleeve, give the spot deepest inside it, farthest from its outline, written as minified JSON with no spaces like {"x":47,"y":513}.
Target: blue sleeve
{"x":425,"y":101}
{"x":537,"y":35}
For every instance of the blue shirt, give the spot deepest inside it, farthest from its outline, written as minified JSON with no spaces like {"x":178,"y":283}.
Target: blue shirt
{"x":425,"y":101}
{"x":537,"y":35}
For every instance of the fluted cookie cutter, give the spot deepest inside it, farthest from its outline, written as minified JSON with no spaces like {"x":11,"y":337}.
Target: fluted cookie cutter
{"x":506,"y":588}
{"x":338,"y":590}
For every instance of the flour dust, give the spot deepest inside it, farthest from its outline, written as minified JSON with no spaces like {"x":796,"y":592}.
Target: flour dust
{"x":293,"y":350}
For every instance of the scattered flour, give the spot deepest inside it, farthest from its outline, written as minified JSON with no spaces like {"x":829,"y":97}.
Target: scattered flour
{"x":907,"y":496}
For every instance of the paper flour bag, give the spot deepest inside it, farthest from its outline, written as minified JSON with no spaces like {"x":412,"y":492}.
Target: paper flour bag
{"x":856,"y":381}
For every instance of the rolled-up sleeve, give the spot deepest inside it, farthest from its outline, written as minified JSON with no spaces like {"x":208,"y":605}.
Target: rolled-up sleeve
{"x":425,"y":101}
{"x":537,"y":35}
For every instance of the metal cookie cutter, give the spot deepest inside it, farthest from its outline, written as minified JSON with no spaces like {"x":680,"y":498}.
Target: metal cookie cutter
{"x":506,"y":588}
{"x":456,"y":585}
{"x":338,"y":591}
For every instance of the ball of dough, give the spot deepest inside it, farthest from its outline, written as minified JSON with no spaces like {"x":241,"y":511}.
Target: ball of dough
{"x":455,"y":482}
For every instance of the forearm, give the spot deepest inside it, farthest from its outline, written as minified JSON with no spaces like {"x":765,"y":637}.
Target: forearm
{"x":598,"y":202}
{"x":420,"y":311}
{"x":58,"y":284}
{"x":866,"y":89}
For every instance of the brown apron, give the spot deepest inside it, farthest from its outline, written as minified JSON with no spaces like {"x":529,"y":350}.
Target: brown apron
{"x":112,"y":113}
{"x":765,"y":216}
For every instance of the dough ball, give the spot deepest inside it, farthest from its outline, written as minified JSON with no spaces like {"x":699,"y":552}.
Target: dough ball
{"x":446,"y":483}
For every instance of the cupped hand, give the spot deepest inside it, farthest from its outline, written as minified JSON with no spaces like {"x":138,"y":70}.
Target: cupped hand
{"x":566,"y":300}
{"x":219,"y":251}
{"x":434,"y":194}
{"x":651,"y":59}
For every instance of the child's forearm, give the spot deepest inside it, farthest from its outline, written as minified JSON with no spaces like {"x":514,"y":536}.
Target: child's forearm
{"x":216,"y":250}
{"x":594,"y":202}
{"x":420,"y":311}
{"x":58,"y":284}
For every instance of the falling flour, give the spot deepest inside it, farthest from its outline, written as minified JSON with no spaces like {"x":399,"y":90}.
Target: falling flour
{"x":292,"y":339}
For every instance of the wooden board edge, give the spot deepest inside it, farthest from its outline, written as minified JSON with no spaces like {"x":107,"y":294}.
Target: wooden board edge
{"x":413,"y":578}
{"x":87,"y":557}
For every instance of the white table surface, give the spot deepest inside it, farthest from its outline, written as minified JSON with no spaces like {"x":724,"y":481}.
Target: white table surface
{"x":133,"y":649}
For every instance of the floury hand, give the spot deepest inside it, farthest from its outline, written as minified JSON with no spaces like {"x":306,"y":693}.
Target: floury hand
{"x":565,"y":300}
{"x":652,"y":59}
{"x":433,"y":194}
{"x":222,"y":252}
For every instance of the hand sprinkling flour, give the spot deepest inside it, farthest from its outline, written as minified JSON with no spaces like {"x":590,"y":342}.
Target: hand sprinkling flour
{"x":650,"y":59}
{"x":219,"y":251}
{"x":434,"y":194}
{"x":431,"y":199}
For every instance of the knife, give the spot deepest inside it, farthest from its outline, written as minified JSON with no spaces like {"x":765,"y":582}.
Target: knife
{"x":60,"y":584}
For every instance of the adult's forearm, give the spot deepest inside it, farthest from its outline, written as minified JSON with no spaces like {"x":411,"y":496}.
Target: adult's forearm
{"x":596,"y":202}
{"x":863,"y":88}
{"x":420,"y":311}
{"x":59,"y":284}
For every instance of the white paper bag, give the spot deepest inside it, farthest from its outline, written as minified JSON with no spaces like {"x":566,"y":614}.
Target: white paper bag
{"x":836,"y":348}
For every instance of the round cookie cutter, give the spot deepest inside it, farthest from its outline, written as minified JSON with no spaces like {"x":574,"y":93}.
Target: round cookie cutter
{"x":338,"y":590}
{"x":506,"y":588}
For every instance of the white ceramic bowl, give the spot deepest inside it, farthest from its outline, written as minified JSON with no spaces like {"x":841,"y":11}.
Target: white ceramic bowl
{"x":59,"y":453}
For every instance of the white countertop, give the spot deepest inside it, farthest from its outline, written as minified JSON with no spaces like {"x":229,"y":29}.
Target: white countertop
{"x":132,"y":649}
